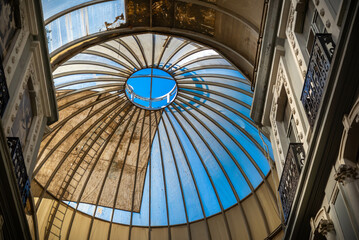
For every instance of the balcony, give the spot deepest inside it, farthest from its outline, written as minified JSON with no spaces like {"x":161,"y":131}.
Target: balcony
{"x":19,"y":167}
{"x":317,"y":73}
{"x":290,"y":176}
{"x":4,"y":93}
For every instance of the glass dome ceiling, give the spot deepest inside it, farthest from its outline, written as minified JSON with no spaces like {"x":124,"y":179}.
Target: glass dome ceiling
{"x":151,"y":88}
{"x":115,"y":161}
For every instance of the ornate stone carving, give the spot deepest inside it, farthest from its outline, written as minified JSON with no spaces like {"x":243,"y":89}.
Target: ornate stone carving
{"x":293,"y":41}
{"x":322,"y":223}
{"x":345,"y":172}
{"x":325,"y":226}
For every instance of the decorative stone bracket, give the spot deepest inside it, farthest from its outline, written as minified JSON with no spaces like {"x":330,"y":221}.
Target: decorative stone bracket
{"x":322,"y":224}
{"x":346,"y":173}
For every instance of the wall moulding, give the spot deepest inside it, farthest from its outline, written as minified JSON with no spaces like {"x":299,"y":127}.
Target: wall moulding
{"x":294,"y":44}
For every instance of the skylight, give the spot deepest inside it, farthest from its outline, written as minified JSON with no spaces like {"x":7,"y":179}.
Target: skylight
{"x":151,"y":88}
{"x":198,"y":155}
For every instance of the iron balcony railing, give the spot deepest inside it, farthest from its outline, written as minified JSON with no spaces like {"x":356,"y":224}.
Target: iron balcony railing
{"x":290,"y":177}
{"x":19,"y":167}
{"x":4,"y":93}
{"x":317,"y":73}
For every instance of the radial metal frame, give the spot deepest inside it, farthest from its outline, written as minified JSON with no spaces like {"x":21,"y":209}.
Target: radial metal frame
{"x":178,"y":104}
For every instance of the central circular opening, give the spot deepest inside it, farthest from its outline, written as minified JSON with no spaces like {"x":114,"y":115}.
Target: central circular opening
{"x":151,"y":88}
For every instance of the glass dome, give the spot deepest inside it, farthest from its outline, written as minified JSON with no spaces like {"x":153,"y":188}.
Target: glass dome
{"x":196,"y":156}
{"x":151,"y":88}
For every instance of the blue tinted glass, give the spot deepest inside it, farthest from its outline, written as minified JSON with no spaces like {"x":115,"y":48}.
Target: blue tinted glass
{"x":142,"y":218}
{"x":51,"y":7}
{"x":201,"y":178}
{"x":191,"y":198}
{"x":123,"y":217}
{"x":158,"y":200}
{"x":104,"y":213}
{"x":151,"y":88}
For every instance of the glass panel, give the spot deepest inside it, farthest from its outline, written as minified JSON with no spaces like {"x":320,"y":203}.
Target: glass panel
{"x":84,"y":21}
{"x":122,"y":217}
{"x":146,"y":41}
{"x":104,"y":213}
{"x":231,"y":169}
{"x":218,"y":177}
{"x":142,"y":218}
{"x":174,"y":194}
{"x":191,"y":198}
{"x":158,"y":200}
{"x":197,"y":55}
{"x":86,"y":208}
{"x":222,"y":90}
{"x":52,"y":7}
{"x":205,"y":188}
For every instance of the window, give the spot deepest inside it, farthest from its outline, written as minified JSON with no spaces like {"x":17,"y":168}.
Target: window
{"x":317,"y":26}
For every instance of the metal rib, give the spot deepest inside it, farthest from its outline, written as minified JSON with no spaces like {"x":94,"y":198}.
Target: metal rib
{"x":191,"y":171}
{"x":135,"y":181}
{"x":89,"y":80}
{"x":141,"y":49}
{"x":217,"y":93}
{"x":204,"y":166}
{"x":217,"y":84}
{"x":184,"y":56}
{"x":89,"y":62}
{"x":38,"y":167}
{"x":106,"y":176}
{"x":69,"y":10}
{"x":179,"y":48}
{"x":123,"y":166}
{"x":120,"y":53}
{"x":89,"y":71}
{"x":164,"y":47}
{"x":219,"y":76}
{"x":131,"y":51}
{"x":104,"y":55}
{"x":240,"y":169}
{"x":67,"y":153}
{"x":164,"y":182}
{"x":217,"y":160}
{"x":73,"y":92}
{"x":200,"y":59}
{"x":150,"y":175}
{"x":128,"y":109}
{"x":229,"y":67}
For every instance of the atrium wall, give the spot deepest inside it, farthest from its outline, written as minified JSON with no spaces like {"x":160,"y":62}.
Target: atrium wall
{"x":27,"y":106}
{"x":281,"y":109}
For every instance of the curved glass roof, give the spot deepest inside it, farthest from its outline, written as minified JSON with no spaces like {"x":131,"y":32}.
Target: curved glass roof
{"x":68,"y":20}
{"x":115,"y":161}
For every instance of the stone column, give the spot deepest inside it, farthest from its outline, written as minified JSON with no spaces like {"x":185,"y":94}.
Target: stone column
{"x":348,"y":176}
{"x":322,"y":225}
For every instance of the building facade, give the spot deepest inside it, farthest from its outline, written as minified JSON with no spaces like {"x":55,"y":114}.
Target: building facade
{"x":300,"y":99}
